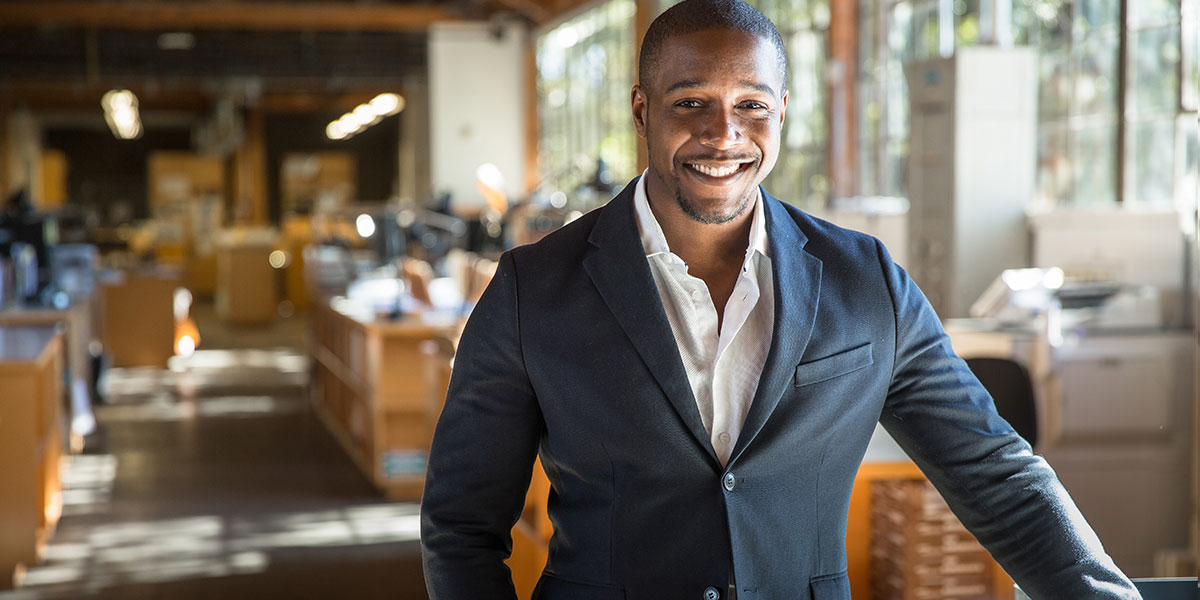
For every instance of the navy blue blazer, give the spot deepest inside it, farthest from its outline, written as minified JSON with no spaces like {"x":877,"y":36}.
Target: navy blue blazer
{"x":569,"y":355}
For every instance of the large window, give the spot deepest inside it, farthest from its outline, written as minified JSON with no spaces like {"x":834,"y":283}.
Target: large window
{"x":585,"y":72}
{"x":1114,"y":122}
{"x":1118,"y":92}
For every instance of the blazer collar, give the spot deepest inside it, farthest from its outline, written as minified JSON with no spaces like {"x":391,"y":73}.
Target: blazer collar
{"x":618,"y":267}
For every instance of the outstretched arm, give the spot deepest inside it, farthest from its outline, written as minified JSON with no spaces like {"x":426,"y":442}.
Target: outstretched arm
{"x":1010,"y":499}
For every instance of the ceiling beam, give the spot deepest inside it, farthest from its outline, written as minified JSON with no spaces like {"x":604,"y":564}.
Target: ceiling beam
{"x":181,"y":16}
{"x":54,"y":95}
{"x":185,"y":97}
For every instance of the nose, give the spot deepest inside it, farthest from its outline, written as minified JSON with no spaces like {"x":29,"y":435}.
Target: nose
{"x":721,"y":129}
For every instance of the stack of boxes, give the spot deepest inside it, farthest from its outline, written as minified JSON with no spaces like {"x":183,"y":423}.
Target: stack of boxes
{"x":919,"y":550}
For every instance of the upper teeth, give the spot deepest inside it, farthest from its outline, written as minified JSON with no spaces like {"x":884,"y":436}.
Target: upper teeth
{"x":717,"y":171}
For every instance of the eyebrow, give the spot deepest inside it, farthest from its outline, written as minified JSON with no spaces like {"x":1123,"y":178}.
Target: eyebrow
{"x":689,"y":84}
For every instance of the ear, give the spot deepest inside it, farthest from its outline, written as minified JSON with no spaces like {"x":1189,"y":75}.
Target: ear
{"x":783,"y":108}
{"x":638,"y":101}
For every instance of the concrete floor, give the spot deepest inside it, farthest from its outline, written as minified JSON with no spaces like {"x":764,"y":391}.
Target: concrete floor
{"x":213,"y":479}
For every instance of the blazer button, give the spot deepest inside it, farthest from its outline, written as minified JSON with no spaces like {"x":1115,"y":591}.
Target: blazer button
{"x":730,"y":481}
{"x":712,"y":594}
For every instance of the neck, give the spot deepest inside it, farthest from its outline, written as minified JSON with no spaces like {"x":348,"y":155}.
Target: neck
{"x":710,"y":250}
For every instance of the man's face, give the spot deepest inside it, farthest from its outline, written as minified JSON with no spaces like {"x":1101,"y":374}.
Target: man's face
{"x":711,"y":118}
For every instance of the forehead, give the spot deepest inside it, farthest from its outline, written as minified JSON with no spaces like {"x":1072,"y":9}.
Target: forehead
{"x":717,"y":57}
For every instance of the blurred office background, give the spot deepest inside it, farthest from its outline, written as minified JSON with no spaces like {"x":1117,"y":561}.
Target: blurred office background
{"x":238,"y":240}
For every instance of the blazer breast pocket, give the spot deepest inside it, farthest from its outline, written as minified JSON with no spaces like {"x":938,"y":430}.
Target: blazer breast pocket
{"x":836,"y":365}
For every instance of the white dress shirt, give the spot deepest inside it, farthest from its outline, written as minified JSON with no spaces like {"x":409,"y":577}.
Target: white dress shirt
{"x":723,"y":366}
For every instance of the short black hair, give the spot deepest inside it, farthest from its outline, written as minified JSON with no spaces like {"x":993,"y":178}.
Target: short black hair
{"x":691,"y":16}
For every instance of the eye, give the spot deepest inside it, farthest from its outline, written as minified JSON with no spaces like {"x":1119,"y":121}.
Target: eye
{"x":754,"y":105}
{"x":688,"y":104}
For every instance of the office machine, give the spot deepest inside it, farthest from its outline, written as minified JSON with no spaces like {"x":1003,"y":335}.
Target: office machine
{"x":971,"y":166}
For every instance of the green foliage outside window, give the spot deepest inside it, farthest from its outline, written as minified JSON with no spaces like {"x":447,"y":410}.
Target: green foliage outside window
{"x":585,"y":72}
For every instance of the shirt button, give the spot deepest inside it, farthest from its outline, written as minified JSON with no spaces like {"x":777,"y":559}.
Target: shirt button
{"x":723,"y":438}
{"x":730,"y":481}
{"x":697,"y":295}
{"x":711,"y":594}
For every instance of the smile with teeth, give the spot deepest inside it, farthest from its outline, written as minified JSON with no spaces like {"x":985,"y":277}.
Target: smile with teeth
{"x":717,"y":171}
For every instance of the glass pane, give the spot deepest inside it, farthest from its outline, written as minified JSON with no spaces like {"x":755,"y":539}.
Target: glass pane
{"x":1054,"y":177}
{"x":1094,"y":66}
{"x":1048,"y":23}
{"x":900,"y":39}
{"x":1153,"y":75}
{"x":925,"y":30}
{"x":1096,"y":17}
{"x":1054,"y":82}
{"x":870,"y":109}
{"x":1094,"y":163}
{"x":895,"y":168}
{"x":799,"y":177}
{"x":585,"y":71}
{"x":966,"y":22}
{"x":1151,"y":13}
{"x":1150,"y":163}
{"x":896,"y":109}
{"x":1191,"y":55}
{"x":1187,"y":192}
{"x":805,"y":123}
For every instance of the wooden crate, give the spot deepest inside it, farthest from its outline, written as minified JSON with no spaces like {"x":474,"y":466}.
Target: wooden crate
{"x":919,"y":550}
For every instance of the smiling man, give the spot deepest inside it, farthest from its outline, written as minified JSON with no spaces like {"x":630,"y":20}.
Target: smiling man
{"x":700,"y":368}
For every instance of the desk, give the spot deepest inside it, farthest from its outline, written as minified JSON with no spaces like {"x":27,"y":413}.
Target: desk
{"x":79,"y":322}
{"x":247,"y":286}
{"x":30,"y":444}
{"x":374,"y":391}
{"x":139,"y":318}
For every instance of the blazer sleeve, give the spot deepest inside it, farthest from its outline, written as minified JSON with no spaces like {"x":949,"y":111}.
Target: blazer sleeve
{"x":1009,"y":498}
{"x":482,"y":455}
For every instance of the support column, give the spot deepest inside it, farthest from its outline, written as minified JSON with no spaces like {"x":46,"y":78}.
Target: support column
{"x":533,"y":122}
{"x":250,"y":173}
{"x":21,"y":154}
{"x":842,"y":77}
{"x":5,"y":175}
{"x":414,"y":143}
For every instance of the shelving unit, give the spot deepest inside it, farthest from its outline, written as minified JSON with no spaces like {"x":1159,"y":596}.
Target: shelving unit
{"x":378,"y":386}
{"x":31,"y":373}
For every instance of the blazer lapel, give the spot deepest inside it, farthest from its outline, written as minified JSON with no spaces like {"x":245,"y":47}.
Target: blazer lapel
{"x":797,"y":276}
{"x":618,"y":267}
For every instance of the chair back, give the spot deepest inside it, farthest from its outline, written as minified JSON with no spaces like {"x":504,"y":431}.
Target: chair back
{"x":1012,"y":390}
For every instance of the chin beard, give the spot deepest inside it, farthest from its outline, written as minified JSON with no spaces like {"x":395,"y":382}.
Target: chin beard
{"x":712,"y":217}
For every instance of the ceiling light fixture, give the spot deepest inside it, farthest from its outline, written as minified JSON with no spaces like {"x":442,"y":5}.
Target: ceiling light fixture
{"x":121,"y":114}
{"x":176,"y":40}
{"x":364,"y":115}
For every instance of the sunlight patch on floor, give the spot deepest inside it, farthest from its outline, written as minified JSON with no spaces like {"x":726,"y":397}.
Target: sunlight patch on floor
{"x":157,"y":551}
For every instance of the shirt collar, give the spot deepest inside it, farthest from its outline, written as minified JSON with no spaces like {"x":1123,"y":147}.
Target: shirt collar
{"x":655,"y":242}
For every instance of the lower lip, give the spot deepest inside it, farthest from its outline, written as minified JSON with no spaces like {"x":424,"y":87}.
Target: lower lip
{"x":719,"y":181}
